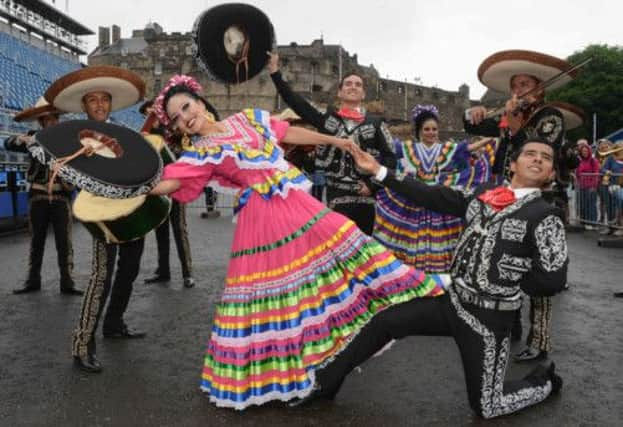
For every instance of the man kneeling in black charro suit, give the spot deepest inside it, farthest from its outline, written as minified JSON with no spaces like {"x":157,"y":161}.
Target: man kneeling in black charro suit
{"x":514,"y":240}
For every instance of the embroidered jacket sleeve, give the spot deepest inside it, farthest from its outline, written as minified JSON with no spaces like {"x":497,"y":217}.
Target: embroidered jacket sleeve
{"x":550,"y":257}
{"x":11,"y":144}
{"x":547,"y":123}
{"x":299,"y":104}
{"x":488,"y":127}
{"x":438,"y":198}
{"x":384,"y":146}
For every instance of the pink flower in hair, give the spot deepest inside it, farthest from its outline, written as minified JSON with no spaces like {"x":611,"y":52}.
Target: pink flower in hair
{"x":177,"y":80}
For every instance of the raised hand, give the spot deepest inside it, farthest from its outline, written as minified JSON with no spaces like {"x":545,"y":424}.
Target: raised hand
{"x":365,"y":161}
{"x":273,"y":62}
{"x":477,"y":114}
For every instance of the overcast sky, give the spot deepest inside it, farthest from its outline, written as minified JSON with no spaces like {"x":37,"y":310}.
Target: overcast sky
{"x":441,"y":42}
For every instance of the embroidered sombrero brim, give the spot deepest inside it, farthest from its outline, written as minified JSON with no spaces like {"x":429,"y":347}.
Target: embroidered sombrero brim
{"x":573,"y":116}
{"x":125,"y":87}
{"x":496,"y":71}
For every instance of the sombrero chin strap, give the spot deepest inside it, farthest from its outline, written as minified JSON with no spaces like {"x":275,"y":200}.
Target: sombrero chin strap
{"x":244,"y":59}
{"x":57,"y":164}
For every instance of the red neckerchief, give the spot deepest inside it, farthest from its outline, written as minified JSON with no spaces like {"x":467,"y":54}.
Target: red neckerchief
{"x":498,"y":198}
{"x":350,"y":114}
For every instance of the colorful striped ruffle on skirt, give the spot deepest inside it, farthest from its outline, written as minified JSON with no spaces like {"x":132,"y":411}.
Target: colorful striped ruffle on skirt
{"x":417,"y":236}
{"x":420,"y":237}
{"x":302,"y":281}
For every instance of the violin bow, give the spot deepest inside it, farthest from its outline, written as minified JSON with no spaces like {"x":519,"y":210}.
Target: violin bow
{"x":542,"y":86}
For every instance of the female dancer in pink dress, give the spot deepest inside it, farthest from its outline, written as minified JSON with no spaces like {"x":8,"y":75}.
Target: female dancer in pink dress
{"x":302,"y":279}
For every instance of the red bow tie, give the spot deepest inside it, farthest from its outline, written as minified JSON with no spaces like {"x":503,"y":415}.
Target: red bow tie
{"x":350,"y":114}
{"x":498,"y":198}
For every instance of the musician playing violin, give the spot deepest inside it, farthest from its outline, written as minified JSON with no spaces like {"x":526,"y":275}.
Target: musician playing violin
{"x":521,"y":75}
{"x":523,"y":115}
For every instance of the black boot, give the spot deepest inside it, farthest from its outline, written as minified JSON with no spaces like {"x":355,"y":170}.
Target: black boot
{"x":88,"y":363}
{"x":122,"y":332}
{"x":68,"y":287}
{"x":158,"y":278}
{"x":28,"y":287}
{"x":316,"y":395}
{"x":554,"y":378}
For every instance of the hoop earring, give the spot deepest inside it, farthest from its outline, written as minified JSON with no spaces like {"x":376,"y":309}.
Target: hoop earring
{"x":185,"y":142}
{"x":209,"y":117}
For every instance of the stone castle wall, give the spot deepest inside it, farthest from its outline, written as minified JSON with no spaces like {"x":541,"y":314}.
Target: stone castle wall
{"x":312,"y":70}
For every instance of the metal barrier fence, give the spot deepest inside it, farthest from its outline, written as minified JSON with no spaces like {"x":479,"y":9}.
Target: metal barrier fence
{"x":597,"y":203}
{"x":217,"y":202}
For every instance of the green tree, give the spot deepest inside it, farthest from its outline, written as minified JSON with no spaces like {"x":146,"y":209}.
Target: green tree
{"x":598,"y":88}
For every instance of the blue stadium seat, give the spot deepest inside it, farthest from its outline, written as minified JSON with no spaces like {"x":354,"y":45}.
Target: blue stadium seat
{"x":26,"y":71}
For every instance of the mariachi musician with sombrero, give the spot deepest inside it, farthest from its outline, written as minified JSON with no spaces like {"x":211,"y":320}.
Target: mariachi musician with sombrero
{"x":97,"y":91}
{"x":45,"y":208}
{"x":523,"y":76}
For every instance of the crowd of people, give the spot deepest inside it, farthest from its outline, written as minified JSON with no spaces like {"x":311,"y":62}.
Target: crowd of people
{"x":417,"y":237}
{"x":598,"y":180}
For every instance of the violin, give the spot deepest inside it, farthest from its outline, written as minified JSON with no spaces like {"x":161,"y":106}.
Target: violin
{"x":517,"y":115}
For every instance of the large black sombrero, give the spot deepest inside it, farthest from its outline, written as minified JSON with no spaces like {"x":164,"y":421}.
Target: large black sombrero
{"x":122,"y":165}
{"x":230,"y":41}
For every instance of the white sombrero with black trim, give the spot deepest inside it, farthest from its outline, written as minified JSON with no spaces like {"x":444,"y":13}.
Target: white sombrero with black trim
{"x":41,"y":109}
{"x":496,"y":71}
{"x":125,"y":87}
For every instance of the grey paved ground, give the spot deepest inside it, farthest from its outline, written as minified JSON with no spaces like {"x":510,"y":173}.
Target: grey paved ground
{"x":154,"y":382}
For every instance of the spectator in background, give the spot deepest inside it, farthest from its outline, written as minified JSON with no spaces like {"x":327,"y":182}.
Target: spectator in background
{"x":613,"y":178}
{"x":606,"y":205}
{"x":587,"y":178}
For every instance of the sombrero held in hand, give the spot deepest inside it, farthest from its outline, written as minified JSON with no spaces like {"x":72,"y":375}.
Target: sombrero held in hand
{"x":496,"y":71}
{"x":230,"y":41}
{"x":104,"y":159}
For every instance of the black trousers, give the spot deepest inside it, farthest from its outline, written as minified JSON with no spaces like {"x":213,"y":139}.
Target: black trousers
{"x":483,"y":339}
{"x":177,"y":219}
{"x":317,"y":191}
{"x":44,"y":211}
{"x":361,"y":214}
{"x":96,"y":294}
